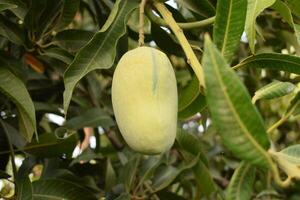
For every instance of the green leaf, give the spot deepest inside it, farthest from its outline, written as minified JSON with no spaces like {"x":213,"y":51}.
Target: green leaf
{"x":92,"y":118}
{"x":273,"y":90}
{"x":204,"y":7}
{"x":294,"y":6}
{"x":254,"y":8}
{"x":15,"y":89}
{"x":110,"y":176}
{"x":59,"y":54}
{"x":164,"y":41}
{"x":229,"y":25}
{"x":24,"y":188}
{"x":72,"y":39}
{"x":129,"y":171}
{"x":190,"y":144}
{"x":19,"y":9}
{"x":196,"y":106}
{"x":5,"y":6}
{"x":50,"y":146}
{"x":55,"y":188}
{"x":41,"y":17}
{"x":148,"y":168}
{"x":67,"y":15}
{"x":100,"y":52}
{"x":274,"y":61}
{"x":236,"y":119}
{"x":292,"y":154}
{"x":124,"y":196}
{"x":286,"y":14}
{"x":11,"y":31}
{"x":188,"y":94}
{"x":241,"y":183}
{"x":166,"y":174}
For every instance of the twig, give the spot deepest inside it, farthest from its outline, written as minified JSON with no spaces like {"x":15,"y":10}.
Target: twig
{"x":191,"y":57}
{"x":141,"y":23}
{"x":282,"y":120}
{"x":186,"y":25}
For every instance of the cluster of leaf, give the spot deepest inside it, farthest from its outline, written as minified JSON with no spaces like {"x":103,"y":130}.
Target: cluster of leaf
{"x":58,"y":57}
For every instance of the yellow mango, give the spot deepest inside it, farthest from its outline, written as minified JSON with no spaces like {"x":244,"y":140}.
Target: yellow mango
{"x":144,"y":98}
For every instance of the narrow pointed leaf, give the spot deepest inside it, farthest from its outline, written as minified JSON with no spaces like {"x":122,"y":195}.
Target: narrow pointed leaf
{"x":11,"y":31}
{"x":292,"y":154}
{"x":286,"y":14}
{"x":236,"y":119}
{"x":55,"y":188}
{"x":294,"y":6}
{"x":92,"y":118}
{"x":72,"y":39}
{"x":5,"y":6}
{"x":100,"y":52}
{"x":241,"y":183}
{"x":69,"y":10}
{"x":59,"y":54}
{"x":204,"y":7}
{"x":188,"y":94}
{"x":254,"y":8}
{"x":15,"y":89}
{"x":274,"y":90}
{"x":274,"y":61}
{"x":229,"y":25}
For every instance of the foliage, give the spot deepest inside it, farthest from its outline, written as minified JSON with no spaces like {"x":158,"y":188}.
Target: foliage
{"x":237,"y":137}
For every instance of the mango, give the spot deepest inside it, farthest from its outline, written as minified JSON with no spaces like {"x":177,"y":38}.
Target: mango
{"x":145,"y":100}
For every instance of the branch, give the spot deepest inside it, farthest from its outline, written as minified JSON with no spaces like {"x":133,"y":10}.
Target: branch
{"x":141,"y":23}
{"x":191,"y":57}
{"x":188,"y":25}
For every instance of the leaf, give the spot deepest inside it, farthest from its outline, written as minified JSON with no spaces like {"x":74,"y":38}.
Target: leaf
{"x":100,"y":52}
{"x":204,"y":7}
{"x":236,"y":119}
{"x":188,"y":94}
{"x":55,"y":188}
{"x":286,"y":14}
{"x":110,"y":176}
{"x":195,"y":107}
{"x":129,"y":171}
{"x":24,"y":188}
{"x":294,"y":6}
{"x":241,"y":183}
{"x":229,"y":25}
{"x":20,"y":10}
{"x":4,"y":175}
{"x":254,"y":8}
{"x":59,"y":54}
{"x":69,"y":10}
{"x":72,"y":39}
{"x":148,"y":168}
{"x":92,"y":118}
{"x":166,"y":174}
{"x":5,"y":6}
{"x":11,"y":31}
{"x":164,"y":41}
{"x":292,"y":154}
{"x":274,"y":61}
{"x":41,"y":17}
{"x":123,"y":196}
{"x":15,"y":89}
{"x":273,"y":90}
{"x":50,"y":146}
{"x":189,"y":143}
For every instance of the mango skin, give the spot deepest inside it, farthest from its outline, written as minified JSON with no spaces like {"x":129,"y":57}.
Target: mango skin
{"x":145,"y":100}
